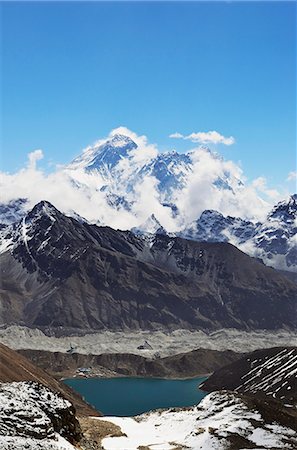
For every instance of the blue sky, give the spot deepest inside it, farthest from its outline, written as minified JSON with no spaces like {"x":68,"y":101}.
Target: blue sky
{"x":73,"y":71}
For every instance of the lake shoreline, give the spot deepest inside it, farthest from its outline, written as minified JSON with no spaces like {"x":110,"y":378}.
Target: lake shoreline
{"x":182,"y":366}
{"x":92,"y":377}
{"x":131,"y":396}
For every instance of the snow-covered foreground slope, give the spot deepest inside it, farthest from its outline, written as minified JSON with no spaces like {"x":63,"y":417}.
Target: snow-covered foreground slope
{"x":34,"y":417}
{"x":21,"y":443}
{"x":221,"y":420}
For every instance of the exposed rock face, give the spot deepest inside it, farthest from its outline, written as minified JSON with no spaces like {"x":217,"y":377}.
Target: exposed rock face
{"x":58,"y":272}
{"x":190,"y":364}
{"x":29,"y":409}
{"x":268,"y":372}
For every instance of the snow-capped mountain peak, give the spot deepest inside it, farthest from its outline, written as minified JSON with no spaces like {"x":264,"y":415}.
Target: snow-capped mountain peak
{"x":285,"y":210}
{"x":273,"y":241}
{"x":150,"y":226}
{"x":43,"y":208}
{"x":121,"y":169}
{"x":120,"y":140}
{"x":104,"y":154}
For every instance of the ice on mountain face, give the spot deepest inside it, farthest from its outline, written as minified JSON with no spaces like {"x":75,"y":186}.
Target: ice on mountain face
{"x":150,"y":226}
{"x":43,"y":215}
{"x":285,"y":210}
{"x":105,"y":156}
{"x":274,"y":241}
{"x":214,"y":227}
{"x":170,"y":170}
{"x":118,"y":201}
{"x":13,"y":211}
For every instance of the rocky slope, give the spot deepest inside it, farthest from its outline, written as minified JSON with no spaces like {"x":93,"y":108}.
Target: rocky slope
{"x":163,"y":343}
{"x":59,"y":272}
{"x":268,"y":372}
{"x":190,"y":364}
{"x":16,"y":368}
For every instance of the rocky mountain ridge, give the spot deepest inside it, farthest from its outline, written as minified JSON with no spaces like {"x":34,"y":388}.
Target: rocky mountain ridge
{"x":59,"y":272}
{"x":274,"y":241}
{"x":188,"y":364}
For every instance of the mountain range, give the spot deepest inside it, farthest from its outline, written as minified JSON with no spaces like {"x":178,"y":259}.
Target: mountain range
{"x":150,"y":190}
{"x":57,"y":271}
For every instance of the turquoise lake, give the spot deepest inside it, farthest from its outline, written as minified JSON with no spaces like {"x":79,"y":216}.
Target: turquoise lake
{"x":131,"y":396}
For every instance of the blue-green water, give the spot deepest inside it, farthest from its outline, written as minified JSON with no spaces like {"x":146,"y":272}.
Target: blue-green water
{"x":131,"y":396}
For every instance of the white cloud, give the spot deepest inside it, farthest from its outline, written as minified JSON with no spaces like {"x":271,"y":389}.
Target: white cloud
{"x":260,"y":184}
{"x":176,"y":136}
{"x":201,"y":193}
{"x":292,"y":176}
{"x":33,"y":157}
{"x":202,"y":137}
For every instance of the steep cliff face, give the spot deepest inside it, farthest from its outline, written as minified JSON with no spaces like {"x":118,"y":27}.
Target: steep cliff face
{"x":58,"y":272}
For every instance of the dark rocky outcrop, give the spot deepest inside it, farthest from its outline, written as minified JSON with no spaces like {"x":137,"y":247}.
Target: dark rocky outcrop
{"x":190,"y":364}
{"x":29,"y":409}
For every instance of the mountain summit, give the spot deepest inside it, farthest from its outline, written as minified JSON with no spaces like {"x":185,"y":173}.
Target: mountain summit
{"x":171,"y":170}
{"x":104,"y":156}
